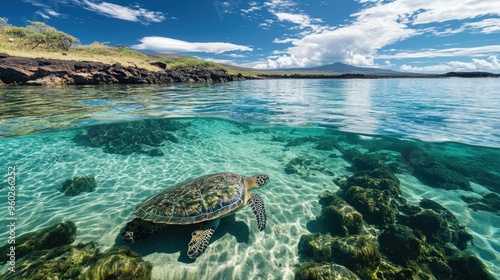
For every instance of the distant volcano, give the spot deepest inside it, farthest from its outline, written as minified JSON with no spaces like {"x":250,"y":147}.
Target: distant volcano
{"x":341,"y":68}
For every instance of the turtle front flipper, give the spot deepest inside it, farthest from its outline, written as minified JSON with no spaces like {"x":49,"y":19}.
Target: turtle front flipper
{"x":201,"y":238}
{"x":257,"y":204}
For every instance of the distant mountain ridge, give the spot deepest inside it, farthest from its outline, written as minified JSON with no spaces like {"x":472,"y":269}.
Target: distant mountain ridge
{"x":341,"y":68}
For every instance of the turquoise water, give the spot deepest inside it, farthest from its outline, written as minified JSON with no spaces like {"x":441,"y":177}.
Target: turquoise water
{"x":247,"y":127}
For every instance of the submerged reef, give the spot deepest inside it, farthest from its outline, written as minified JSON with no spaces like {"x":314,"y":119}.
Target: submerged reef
{"x":77,"y":185}
{"x":143,"y":137}
{"x":370,"y":230}
{"x":489,"y":202}
{"x":49,"y":252}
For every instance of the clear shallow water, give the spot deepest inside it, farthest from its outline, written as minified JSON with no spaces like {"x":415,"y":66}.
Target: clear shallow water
{"x":256,"y":120}
{"x":460,"y":110}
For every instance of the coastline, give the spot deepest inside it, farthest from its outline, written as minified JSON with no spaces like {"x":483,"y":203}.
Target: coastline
{"x":16,"y":70}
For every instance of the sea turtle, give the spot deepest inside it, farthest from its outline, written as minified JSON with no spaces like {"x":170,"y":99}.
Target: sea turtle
{"x":203,"y":200}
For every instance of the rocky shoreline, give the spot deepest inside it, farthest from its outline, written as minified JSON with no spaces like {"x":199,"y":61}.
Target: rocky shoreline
{"x":16,"y":70}
{"x":54,"y":72}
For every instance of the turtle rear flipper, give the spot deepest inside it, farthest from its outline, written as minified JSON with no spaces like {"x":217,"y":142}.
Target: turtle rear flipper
{"x":257,"y":204}
{"x":201,"y":238}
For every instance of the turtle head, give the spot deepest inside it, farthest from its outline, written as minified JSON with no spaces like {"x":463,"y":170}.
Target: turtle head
{"x":257,"y":181}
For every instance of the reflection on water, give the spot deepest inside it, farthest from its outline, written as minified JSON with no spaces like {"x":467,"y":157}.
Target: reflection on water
{"x":461,"y":110}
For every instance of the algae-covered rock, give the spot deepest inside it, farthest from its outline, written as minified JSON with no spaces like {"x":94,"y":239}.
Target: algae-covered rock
{"x":401,"y":243}
{"x":439,"y":176}
{"x":378,"y":179}
{"x":131,"y":137}
{"x":466,"y":267}
{"x":325,"y":271}
{"x":77,"y":185}
{"x":64,"y":262}
{"x":358,"y":253}
{"x":120,"y":263}
{"x":373,"y":204}
{"x":489,"y":202}
{"x":55,"y":236}
{"x":316,"y":246}
{"x":450,"y":226}
{"x":340,"y":218}
{"x":362,"y":162}
{"x":433,"y":226}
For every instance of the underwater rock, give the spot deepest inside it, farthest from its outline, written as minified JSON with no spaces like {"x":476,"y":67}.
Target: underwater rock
{"x":64,"y":262}
{"x":489,"y":202}
{"x":299,"y":141}
{"x":325,"y":271}
{"x":358,"y":253}
{"x":378,"y":179}
{"x":120,"y":263}
{"x":327,"y":144}
{"x":439,"y":176}
{"x":77,"y":185}
{"x":316,"y":246}
{"x":131,"y":137}
{"x":54,"y":236}
{"x":340,"y":218}
{"x":290,"y":169}
{"x":465,"y":267}
{"x":362,"y":162}
{"x":431,"y":171}
{"x":372,"y":204}
{"x":367,"y":162}
{"x":156,"y":152}
{"x":305,"y":167}
{"x":443,"y":226}
{"x":392,"y":271}
{"x":139,"y":229}
{"x":431,"y":225}
{"x":401,"y":243}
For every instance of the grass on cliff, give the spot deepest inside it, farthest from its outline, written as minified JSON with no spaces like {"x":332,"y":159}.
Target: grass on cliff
{"x":39,"y":40}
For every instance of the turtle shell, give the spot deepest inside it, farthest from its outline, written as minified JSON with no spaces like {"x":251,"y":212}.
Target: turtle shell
{"x":197,"y":200}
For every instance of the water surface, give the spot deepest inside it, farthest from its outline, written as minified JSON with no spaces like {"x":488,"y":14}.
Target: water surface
{"x":245,"y":127}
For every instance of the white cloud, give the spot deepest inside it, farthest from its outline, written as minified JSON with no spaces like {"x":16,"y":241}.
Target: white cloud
{"x":43,"y":15}
{"x":491,"y":63}
{"x":52,"y":13}
{"x":134,"y":13}
{"x":450,"y":52}
{"x":283,"y":41}
{"x":235,"y":55}
{"x":377,"y":25}
{"x":486,"y":26}
{"x":254,"y":6}
{"x":169,"y":45}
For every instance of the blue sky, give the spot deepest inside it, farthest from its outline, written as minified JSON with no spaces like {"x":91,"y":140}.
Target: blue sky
{"x":403,"y":35}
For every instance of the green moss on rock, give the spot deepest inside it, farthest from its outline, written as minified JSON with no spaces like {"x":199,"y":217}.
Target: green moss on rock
{"x":54,"y":236}
{"x":372,"y":204}
{"x":324,"y":271}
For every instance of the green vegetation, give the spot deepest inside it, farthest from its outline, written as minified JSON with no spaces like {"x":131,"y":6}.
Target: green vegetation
{"x":36,"y":35}
{"x":41,"y":40}
{"x":185,"y":62}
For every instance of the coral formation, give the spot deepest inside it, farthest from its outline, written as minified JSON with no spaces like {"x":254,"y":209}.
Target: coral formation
{"x":144,"y":136}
